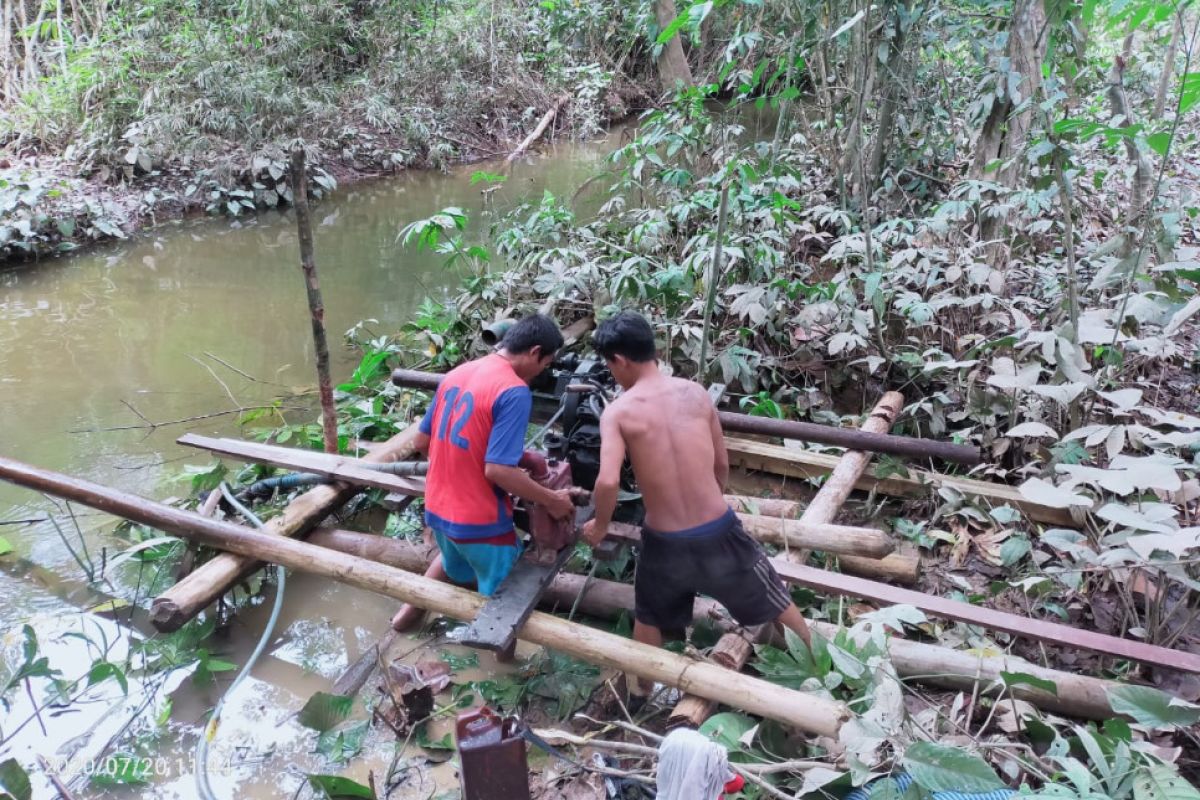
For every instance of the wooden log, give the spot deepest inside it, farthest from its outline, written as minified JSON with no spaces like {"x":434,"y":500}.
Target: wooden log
{"x":853,"y":463}
{"x":805,"y":464}
{"x":827,"y":537}
{"x":342,"y":468}
{"x":793,"y":533}
{"x":207,"y":583}
{"x":537,"y":132}
{"x":821,"y":510}
{"x":806,"y":712}
{"x":732,"y":651}
{"x":1078,"y":695}
{"x":902,"y":566}
{"x":767,"y":506}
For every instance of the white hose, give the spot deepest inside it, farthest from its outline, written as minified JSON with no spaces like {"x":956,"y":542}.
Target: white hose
{"x":210,"y":730}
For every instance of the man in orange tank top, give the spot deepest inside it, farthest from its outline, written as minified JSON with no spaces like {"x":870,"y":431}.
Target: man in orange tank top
{"x":474,"y":432}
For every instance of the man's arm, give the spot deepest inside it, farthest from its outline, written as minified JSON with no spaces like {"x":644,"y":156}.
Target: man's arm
{"x":506,"y":445}
{"x":720,"y":454}
{"x":516,"y":481}
{"x":608,"y":482}
{"x":421,"y":443}
{"x":426,"y":426}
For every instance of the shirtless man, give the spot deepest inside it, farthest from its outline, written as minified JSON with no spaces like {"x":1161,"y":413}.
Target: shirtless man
{"x":692,"y":542}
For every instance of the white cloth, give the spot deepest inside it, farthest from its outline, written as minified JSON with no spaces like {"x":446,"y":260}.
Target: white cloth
{"x":691,"y":767}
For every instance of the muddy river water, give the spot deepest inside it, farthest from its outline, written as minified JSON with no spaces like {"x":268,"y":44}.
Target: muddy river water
{"x":92,"y":348}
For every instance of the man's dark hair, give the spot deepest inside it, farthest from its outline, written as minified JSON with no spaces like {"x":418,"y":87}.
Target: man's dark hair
{"x":533,"y":331}
{"x":627,"y":334}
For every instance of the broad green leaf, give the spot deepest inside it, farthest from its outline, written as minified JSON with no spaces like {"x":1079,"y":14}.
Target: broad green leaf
{"x":1012,"y":679}
{"x":1152,"y":708}
{"x":324,"y":711}
{"x":5,"y":546}
{"x":14,"y":780}
{"x":1189,"y":92}
{"x":1162,"y":782}
{"x":335,"y":786}
{"x":103,"y":671}
{"x":941,"y":768}
{"x":1159,"y":142}
{"x":727,"y":729}
{"x":342,"y":745}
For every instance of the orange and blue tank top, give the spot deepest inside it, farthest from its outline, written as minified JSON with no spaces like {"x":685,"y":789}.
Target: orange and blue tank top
{"x":478,"y":416}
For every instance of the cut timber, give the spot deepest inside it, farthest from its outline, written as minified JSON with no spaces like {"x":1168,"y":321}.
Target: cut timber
{"x":990,"y":618}
{"x":794,"y":463}
{"x":342,"y":468}
{"x":828,"y":537}
{"x":821,"y":510}
{"x":902,"y":566}
{"x":853,"y":463}
{"x":202,"y":588}
{"x":732,"y":651}
{"x":544,"y":123}
{"x":806,"y":712}
{"x":1078,"y":695}
{"x":767,"y":506}
{"x":841,"y":539}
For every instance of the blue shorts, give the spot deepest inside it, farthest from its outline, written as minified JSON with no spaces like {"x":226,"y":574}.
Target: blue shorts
{"x":486,"y":565}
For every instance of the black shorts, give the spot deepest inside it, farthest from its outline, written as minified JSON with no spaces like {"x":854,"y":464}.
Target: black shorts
{"x":718,"y":559}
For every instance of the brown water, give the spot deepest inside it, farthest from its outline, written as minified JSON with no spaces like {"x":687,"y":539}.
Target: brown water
{"x":126,"y":334}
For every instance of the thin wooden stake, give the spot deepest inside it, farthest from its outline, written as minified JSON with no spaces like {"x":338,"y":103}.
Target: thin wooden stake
{"x":315,"y":305}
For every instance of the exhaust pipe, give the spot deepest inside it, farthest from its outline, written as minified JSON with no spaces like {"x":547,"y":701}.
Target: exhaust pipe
{"x":494,"y":332}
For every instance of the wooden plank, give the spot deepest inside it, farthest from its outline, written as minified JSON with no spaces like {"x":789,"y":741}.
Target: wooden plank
{"x":341,"y":468}
{"x":749,"y":454}
{"x":990,"y":618}
{"x":495,"y":627}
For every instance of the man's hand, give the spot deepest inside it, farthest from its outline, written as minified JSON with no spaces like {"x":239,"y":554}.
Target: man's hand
{"x":560,"y":506}
{"x":593,"y":534}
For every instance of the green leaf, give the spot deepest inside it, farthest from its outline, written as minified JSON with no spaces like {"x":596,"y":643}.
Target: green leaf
{"x":1162,"y":782}
{"x":727,"y":729}
{"x":5,"y":546}
{"x":14,"y":780}
{"x":1159,"y":142}
{"x":941,"y":768}
{"x":1012,"y":679}
{"x":487,"y":177}
{"x":122,"y":769}
{"x":1189,"y":92}
{"x":335,"y":786}
{"x":1153,"y":708}
{"x":103,"y":671}
{"x":325,"y":711}
{"x":342,"y":745}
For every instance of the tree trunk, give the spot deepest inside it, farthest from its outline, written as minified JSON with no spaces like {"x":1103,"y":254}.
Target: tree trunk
{"x":1168,"y":71}
{"x":1143,"y":170}
{"x":673,"y":69}
{"x":316,"y":306}
{"x":898,"y":68}
{"x":1008,"y":124}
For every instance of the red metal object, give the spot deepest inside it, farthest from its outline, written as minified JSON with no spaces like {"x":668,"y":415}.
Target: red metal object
{"x":492,"y":755}
{"x":548,"y":532}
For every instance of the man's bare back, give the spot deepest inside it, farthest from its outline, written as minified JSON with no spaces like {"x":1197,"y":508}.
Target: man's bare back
{"x":674,"y":441}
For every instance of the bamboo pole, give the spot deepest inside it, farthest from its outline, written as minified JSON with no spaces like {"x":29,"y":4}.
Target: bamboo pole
{"x":1079,"y":696}
{"x":316,"y":306}
{"x":693,"y":710}
{"x":789,"y":533}
{"x":767,"y":506}
{"x":806,"y":712}
{"x":207,"y":583}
